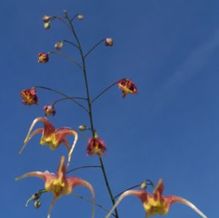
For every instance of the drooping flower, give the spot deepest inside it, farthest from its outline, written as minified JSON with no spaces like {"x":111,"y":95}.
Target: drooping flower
{"x":108,"y":42}
{"x":59,"y":45}
{"x":96,"y":146}
{"x":47,"y":21}
{"x":51,"y":136}
{"x":59,"y":184}
{"x":29,"y":96}
{"x":127,"y":87}
{"x":49,"y":110}
{"x":156,"y":203}
{"x":43,"y":57}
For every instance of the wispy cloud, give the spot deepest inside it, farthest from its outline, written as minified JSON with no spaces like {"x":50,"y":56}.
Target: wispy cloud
{"x":193,"y":64}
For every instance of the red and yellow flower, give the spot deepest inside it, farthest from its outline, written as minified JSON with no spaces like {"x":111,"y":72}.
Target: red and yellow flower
{"x":51,"y":136}
{"x":29,"y":96}
{"x":156,"y":203}
{"x":96,"y":146}
{"x":43,"y":57}
{"x":59,"y":184}
{"x":127,"y":87}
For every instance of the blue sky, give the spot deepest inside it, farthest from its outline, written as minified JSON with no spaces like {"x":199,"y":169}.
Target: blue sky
{"x":169,"y":130}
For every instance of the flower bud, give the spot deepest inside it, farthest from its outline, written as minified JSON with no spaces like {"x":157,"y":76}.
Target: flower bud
{"x":47,"y":21}
{"x":47,"y":25}
{"x":58,"y":45}
{"x":108,"y":42}
{"x":82,"y":127}
{"x":37,"y":204}
{"x":49,"y":110}
{"x":46,"y":18}
{"x":143,"y":185}
{"x":80,"y":17}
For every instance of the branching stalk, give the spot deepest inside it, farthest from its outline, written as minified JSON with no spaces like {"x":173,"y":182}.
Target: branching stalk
{"x":89,"y":102}
{"x":63,"y":94}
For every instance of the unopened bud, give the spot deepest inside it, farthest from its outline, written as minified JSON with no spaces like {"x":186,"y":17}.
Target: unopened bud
{"x":46,"y":18}
{"x":58,"y":45}
{"x":143,"y":185}
{"x":37,"y":204}
{"x":80,"y":17}
{"x":47,"y":25}
{"x":108,"y":42}
{"x":49,"y":110}
{"x":82,"y":127}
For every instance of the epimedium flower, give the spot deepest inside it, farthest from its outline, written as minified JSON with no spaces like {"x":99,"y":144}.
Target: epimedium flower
{"x":96,"y":146}
{"x":29,"y":96}
{"x":156,"y":203}
{"x":43,"y":57}
{"x":59,"y":184}
{"x":49,"y":110}
{"x":51,"y":136}
{"x":127,"y":87}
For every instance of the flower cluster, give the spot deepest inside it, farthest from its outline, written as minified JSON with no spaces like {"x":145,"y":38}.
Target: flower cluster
{"x":59,"y":184}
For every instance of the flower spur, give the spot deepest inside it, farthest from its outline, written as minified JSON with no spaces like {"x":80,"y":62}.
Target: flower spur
{"x":51,"y":136}
{"x":59,"y":184}
{"x":156,"y":203}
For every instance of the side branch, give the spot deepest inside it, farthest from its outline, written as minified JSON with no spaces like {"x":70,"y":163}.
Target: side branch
{"x":67,"y":57}
{"x":63,"y":94}
{"x":93,"y":48}
{"x":104,"y":91}
{"x":71,"y":43}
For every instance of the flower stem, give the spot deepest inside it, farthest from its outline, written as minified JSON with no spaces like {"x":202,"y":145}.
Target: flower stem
{"x":89,"y":102}
{"x":63,"y":94}
{"x":104,"y":91}
{"x":83,"y":167}
{"x":93,"y":48}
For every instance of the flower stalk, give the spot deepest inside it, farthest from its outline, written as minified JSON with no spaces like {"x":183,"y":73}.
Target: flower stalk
{"x":89,"y":102}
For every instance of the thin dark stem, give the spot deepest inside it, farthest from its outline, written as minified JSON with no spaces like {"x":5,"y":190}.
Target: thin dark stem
{"x":90,"y":106}
{"x":93,"y":48}
{"x":103,"y":91}
{"x":74,"y":17}
{"x":63,"y":94}
{"x":107,"y":184}
{"x":83,"y":167}
{"x":67,"y":98}
{"x":59,"y":18}
{"x":89,"y":201}
{"x":71,"y":43}
{"x":83,"y":70}
{"x":67,"y":57}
